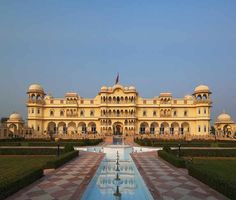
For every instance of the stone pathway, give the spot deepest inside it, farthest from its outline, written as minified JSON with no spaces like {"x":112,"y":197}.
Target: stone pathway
{"x":169,"y":183}
{"x":67,"y":182}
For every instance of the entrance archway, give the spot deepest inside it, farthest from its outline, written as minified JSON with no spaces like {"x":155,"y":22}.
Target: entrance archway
{"x":117,"y":128}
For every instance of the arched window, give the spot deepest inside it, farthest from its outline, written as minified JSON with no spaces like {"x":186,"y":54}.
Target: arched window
{"x":175,"y":113}
{"x":91,"y":113}
{"x":165,"y":112}
{"x":199,"y":97}
{"x":62,"y":113}
{"x":204,"y":97}
{"x":154,"y":113}
{"x":185,"y":113}
{"x":51,"y":113}
{"x":144,"y":113}
{"x":81,"y":113}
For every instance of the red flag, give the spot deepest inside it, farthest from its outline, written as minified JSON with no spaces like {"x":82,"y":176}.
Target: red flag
{"x":117,"y":79}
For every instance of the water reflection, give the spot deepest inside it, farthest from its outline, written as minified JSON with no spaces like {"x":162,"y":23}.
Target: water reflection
{"x":117,"y":177}
{"x":107,"y":176}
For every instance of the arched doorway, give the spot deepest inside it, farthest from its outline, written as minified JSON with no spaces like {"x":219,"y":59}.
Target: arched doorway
{"x":82,"y":128}
{"x":153,"y":128}
{"x":52,"y":129}
{"x":143,"y":128}
{"x":117,"y":128}
{"x":62,"y":128}
{"x":227,"y":130}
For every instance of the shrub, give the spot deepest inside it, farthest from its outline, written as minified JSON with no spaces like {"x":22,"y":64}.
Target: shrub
{"x":13,"y":183}
{"x":220,"y":184}
{"x":171,"y":158}
{"x":167,"y":149}
{"x":215,"y":144}
{"x":68,"y":148}
{"x":62,"y":159}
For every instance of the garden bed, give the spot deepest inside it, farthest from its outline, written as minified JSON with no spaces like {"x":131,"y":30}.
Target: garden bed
{"x":18,"y":171}
{"x":218,"y":174}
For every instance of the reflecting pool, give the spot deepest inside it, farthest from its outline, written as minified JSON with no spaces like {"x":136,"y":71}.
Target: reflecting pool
{"x":117,"y":177}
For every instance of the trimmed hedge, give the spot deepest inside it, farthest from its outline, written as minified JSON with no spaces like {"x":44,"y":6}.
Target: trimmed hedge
{"x":58,"y":161}
{"x":41,"y":142}
{"x":213,"y":180}
{"x":29,"y":151}
{"x":206,"y":152}
{"x":12,"y":140}
{"x":10,"y":144}
{"x":171,"y":158}
{"x":193,"y":143}
{"x":13,"y":184}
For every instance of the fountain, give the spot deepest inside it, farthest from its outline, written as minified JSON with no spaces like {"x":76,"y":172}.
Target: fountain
{"x":117,"y":180}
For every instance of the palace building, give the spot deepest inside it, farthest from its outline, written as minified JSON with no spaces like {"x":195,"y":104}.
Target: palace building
{"x":119,"y":110}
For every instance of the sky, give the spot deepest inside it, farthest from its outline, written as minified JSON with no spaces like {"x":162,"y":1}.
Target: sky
{"x":157,"y":46}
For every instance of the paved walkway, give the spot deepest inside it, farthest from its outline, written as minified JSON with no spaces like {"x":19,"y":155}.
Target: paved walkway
{"x":67,"y":183}
{"x":169,"y":183}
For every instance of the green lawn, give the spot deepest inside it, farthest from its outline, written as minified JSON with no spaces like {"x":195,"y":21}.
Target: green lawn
{"x":223,"y":167}
{"x":15,"y":166}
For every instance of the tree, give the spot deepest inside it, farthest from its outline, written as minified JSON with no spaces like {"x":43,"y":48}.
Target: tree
{"x":213,"y":131}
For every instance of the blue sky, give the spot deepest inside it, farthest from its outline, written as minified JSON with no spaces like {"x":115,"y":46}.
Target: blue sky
{"x":81,"y":45}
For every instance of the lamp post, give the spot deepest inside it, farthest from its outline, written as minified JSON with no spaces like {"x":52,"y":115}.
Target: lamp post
{"x":179,"y":150}
{"x":57,"y":140}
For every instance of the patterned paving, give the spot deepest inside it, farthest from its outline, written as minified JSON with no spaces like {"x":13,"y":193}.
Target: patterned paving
{"x":66,"y":183}
{"x":167,"y":182}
